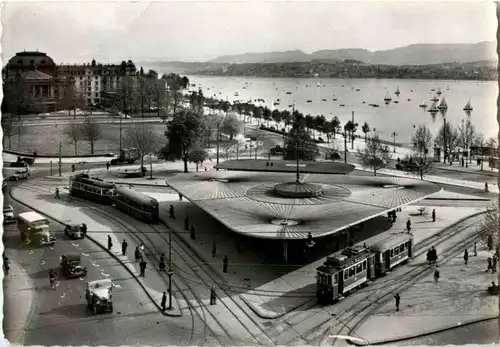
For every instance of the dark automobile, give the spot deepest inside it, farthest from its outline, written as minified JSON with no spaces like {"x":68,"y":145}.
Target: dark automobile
{"x":73,"y":231}
{"x":22,"y":162}
{"x":71,"y":265}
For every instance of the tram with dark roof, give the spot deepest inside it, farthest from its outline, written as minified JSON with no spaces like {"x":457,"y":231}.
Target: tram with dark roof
{"x":136,"y":204}
{"x":86,"y":187}
{"x":356,"y":266}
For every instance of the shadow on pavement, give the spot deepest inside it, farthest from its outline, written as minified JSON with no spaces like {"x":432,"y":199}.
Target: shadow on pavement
{"x":77,"y":311}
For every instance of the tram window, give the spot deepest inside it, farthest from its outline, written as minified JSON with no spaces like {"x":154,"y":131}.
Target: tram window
{"x":359,"y":268}
{"x":401,"y":248}
{"x":346,"y":275}
{"x":329,"y":280}
{"x":352,"y":271}
{"x":364,"y":265}
{"x":392,"y":253}
{"x":335,"y":279}
{"x":396,"y":251}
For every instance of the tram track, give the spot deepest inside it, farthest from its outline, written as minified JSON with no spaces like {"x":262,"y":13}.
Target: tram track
{"x":178,"y":248}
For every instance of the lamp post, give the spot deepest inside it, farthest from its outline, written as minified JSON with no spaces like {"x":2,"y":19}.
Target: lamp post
{"x":218,"y":138}
{"x":394,"y":136}
{"x":345,"y":143}
{"x":170,"y":272}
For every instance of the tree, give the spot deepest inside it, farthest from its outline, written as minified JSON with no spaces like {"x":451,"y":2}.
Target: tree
{"x":74,"y":133}
{"x":183,"y":131}
{"x":142,"y":91}
{"x":467,"y":133}
{"x":17,"y":97}
{"x":299,"y":141}
{"x":449,"y":133}
{"x":480,"y":143}
{"x":91,"y":131}
{"x":124,"y":97}
{"x":422,"y":145}
{"x":231,"y":126}
{"x":351,"y":128}
{"x":8,"y":128}
{"x":197,"y":156}
{"x":175,"y":84}
{"x":142,"y":137}
{"x":336,"y":129}
{"x":374,"y":155}
{"x":366,"y":129}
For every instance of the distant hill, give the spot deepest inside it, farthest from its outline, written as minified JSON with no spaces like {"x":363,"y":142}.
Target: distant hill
{"x":417,"y":54}
{"x":178,"y":67}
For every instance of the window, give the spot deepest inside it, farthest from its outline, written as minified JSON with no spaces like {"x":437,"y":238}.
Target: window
{"x":401,"y":248}
{"x":352,"y":271}
{"x":392,"y":253}
{"x":96,"y":95}
{"x":335,"y":279}
{"x":359,"y":268}
{"x":329,"y":280}
{"x":89,"y":94}
{"x":364,"y":265}
{"x":346,"y":275}
{"x":396,"y":251}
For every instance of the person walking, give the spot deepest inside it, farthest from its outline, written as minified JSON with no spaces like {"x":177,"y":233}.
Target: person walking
{"x":398,"y":300}
{"x":436,"y":274}
{"x":162,"y":262}
{"x":490,"y":265}
{"x":214,"y":249}
{"x":408,"y":225}
{"x":494,"y":265}
{"x":434,"y":256}
{"x":164,"y":302}
{"x":434,"y":215}
{"x":213,"y":297}
{"x":6,"y":265}
{"x":466,"y":256}
{"x":83,"y":229}
{"x":171,"y":212}
{"x":142,"y":266}
{"x":107,"y":166}
{"x":137,"y":254}
{"x":429,"y":256}
{"x":110,"y":243}
{"x":193,"y":235}
{"x":224,"y":264}
{"x":486,"y":187}
{"x":52,"y":279}
{"x":180,"y":197}
{"x":124,"y":247}
{"x":57,"y":196}
{"x":475,"y":249}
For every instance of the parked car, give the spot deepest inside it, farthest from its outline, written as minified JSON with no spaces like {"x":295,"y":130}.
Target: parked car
{"x":71,"y":264}
{"x":73,"y":231}
{"x":99,"y":296}
{"x":20,"y":174}
{"x":8,"y":215}
{"x":22,"y":162}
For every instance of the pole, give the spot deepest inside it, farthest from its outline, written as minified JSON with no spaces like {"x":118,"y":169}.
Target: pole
{"x":170,"y":272}
{"x":60,"y":159}
{"x":218,"y":138}
{"x":345,"y":146}
{"x":120,"y":133}
{"x":51,"y":167}
{"x":256,"y":146}
{"x":394,"y":135}
{"x":352,"y":133}
{"x":444,"y":140}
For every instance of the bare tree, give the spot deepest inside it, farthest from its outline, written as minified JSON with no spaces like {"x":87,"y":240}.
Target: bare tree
{"x":490,"y":225}
{"x":422,"y":145}
{"x":374,"y":155}
{"x":480,"y":143}
{"x":19,"y":129}
{"x":74,"y":133}
{"x":447,"y":139}
{"x":467,"y":133}
{"x":91,"y":131}
{"x":142,"y":137}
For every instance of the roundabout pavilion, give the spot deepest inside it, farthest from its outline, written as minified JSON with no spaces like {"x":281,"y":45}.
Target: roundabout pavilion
{"x":277,"y":199}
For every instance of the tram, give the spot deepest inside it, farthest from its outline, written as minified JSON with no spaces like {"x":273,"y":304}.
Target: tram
{"x":85,"y":187}
{"x":356,"y":266}
{"x":136,"y":204}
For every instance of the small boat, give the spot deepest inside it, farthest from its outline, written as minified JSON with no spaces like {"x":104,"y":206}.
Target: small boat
{"x":375,"y":105}
{"x":318,"y":85}
{"x":244,"y":87}
{"x":276,"y":104}
{"x":423,"y":104}
{"x":358,"y":90}
{"x":432,"y":90}
{"x":236,"y":94}
{"x":334,"y":99}
{"x":289,"y":93}
{"x":309,"y":100}
{"x":409,"y":99}
{"x":433,"y":108}
{"x":364,"y":102}
{"x":443,"y":105}
{"x":323,"y":99}
{"x":435,"y":98}
{"x":290,"y":105}
{"x":439,"y":92}
{"x":396,"y":102}
{"x":387,"y":98}
{"x":397,"y":92}
{"x":411,"y":90}
{"x":341,"y":105}
{"x":468,"y":106}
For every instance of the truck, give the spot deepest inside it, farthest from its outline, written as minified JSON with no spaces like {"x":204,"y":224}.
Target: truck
{"x":127,"y":155}
{"x":35,"y":229}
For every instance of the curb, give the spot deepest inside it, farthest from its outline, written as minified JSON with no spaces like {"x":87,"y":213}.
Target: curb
{"x":427,"y":333}
{"x":459,"y":199}
{"x":482,"y":173}
{"x":165,"y":313}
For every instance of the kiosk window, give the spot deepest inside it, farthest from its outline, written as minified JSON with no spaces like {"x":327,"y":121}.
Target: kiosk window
{"x":329,"y":280}
{"x":335,"y":279}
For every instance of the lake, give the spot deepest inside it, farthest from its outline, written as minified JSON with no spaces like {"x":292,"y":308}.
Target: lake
{"x":396,"y":117}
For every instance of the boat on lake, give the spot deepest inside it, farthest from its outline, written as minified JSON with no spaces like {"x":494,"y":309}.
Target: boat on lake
{"x":358,"y":90}
{"x":323,"y":99}
{"x":396,"y":102}
{"x":443,"y":105}
{"x":387,"y":98}
{"x":236,"y":94}
{"x":423,"y":104}
{"x":289,"y":93}
{"x":334,"y":99}
{"x":397,"y":92}
{"x":439,"y":92}
{"x":468,"y":106}
{"x":309,"y":100}
{"x":341,"y":105}
{"x":433,"y":108}
{"x":435,"y":98}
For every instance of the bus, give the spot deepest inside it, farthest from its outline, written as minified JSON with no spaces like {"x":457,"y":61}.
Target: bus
{"x":35,"y":229}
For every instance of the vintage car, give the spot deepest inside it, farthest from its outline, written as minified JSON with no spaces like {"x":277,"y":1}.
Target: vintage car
{"x":8,"y":215}
{"x":71,"y":264}
{"x":20,"y":174}
{"x":99,"y":296}
{"x":73,"y":231}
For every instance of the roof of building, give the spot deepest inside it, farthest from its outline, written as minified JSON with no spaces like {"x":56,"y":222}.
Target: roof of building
{"x":28,"y":58}
{"x":248,"y":203}
{"x":36,"y":75}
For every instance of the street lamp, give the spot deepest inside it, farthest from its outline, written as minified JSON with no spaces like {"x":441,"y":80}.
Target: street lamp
{"x":394,"y":136}
{"x":170,"y":272}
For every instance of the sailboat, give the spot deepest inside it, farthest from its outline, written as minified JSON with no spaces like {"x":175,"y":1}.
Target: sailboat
{"x":397,"y":92}
{"x":423,"y":104}
{"x":435,"y":98}
{"x":433,"y":108}
{"x":387,"y":98}
{"x":468,"y":106}
{"x":443,"y":105}
{"x":318,"y":85}
{"x":439,"y":92}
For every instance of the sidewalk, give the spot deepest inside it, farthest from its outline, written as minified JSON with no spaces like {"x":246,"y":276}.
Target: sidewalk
{"x":473,"y":168}
{"x":272,"y":290}
{"x":458,"y":298}
{"x":7,"y":157}
{"x":99,"y":228}
{"x":18,"y":289}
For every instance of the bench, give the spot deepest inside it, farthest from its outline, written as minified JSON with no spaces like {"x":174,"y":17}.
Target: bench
{"x":422,"y":210}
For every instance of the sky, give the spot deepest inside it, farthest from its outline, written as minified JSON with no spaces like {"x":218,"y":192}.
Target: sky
{"x":77,"y":31}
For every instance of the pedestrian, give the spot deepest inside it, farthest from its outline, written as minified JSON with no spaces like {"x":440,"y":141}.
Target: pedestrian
{"x":52,"y":279}
{"x":486,"y":187}
{"x":171,"y":212}
{"x":213,"y":297}
{"x":436,"y":274}
{"x":124,"y":247}
{"x":56,"y":196}
{"x":6,"y":265}
{"x":164,"y":302}
{"x":434,"y":215}
{"x":466,"y":256}
{"x":408,"y":225}
{"x":162,"y":262}
{"x":137,"y":254}
{"x":394,"y":216}
{"x":142,"y":266}
{"x":186,"y":223}
{"x":434,"y":256}
{"x":110,"y":243}
{"x":429,"y":256}
{"x":107,"y":166}
{"x":193,"y":235}
{"x":494,"y":265}
{"x":141,"y":248}
{"x":398,"y":300}
{"x":73,"y":167}
{"x":224,"y":264}
{"x":475,"y":249}
{"x":490,"y":265}
{"x":83,"y":229}
{"x":389,"y":216}
{"x":214,"y":249}
{"x":180,"y":197}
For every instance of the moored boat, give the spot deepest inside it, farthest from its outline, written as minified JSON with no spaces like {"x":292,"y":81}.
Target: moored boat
{"x":468,"y":106}
{"x":439,"y":92}
{"x":443,"y":105}
{"x":435,"y":98}
{"x":423,"y":104}
{"x":387,"y":98}
{"x":397,"y":92}
{"x":433,"y":108}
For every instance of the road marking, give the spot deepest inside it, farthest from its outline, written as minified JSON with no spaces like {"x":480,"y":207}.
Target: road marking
{"x":42,"y":262}
{"x":116,"y":285}
{"x":30,"y":252}
{"x":63,"y":295}
{"x":85,"y":254}
{"x":105,"y":274}
{"x":81,"y":279}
